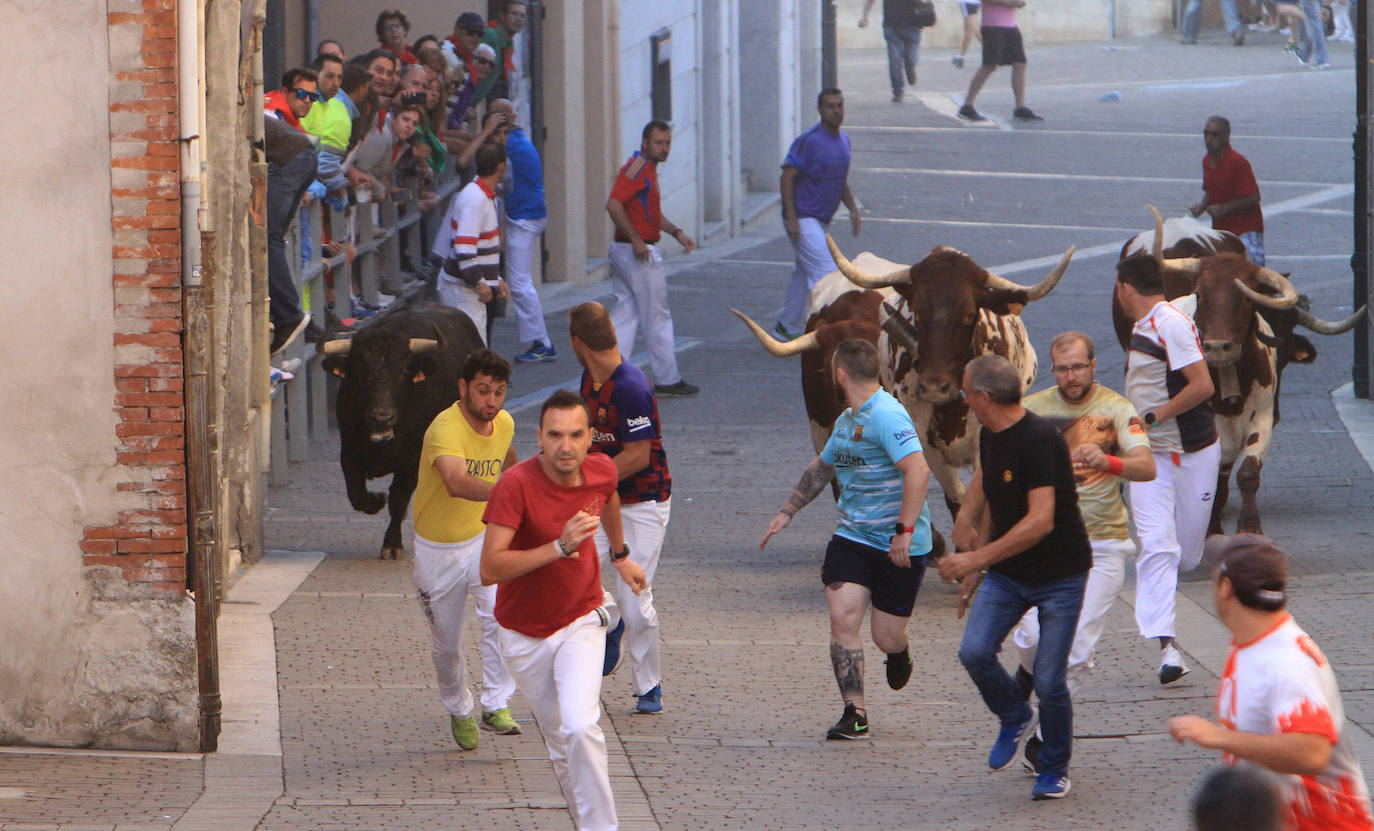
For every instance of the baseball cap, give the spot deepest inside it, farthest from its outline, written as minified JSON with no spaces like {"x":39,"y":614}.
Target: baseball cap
{"x":1257,"y":569}
{"x":471,"y":22}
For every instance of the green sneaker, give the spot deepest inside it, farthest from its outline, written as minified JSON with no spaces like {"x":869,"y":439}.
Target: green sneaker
{"x":500,"y":722}
{"x":464,"y":731}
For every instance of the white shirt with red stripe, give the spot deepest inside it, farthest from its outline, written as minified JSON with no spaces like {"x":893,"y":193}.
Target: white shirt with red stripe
{"x":471,"y":235}
{"x":1281,"y":683}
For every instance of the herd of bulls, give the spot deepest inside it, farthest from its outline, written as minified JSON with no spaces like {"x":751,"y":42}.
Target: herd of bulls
{"x":930,"y":319}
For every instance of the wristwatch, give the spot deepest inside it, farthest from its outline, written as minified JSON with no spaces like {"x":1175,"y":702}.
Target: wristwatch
{"x":1149,"y":419}
{"x":905,"y":529}
{"x":563,"y":550}
{"x":624,"y":553}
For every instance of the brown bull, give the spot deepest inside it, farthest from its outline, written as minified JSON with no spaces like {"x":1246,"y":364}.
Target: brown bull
{"x":952,"y":311}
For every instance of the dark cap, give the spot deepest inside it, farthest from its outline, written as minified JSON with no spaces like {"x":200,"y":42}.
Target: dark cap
{"x":1257,"y":569}
{"x":471,"y":22}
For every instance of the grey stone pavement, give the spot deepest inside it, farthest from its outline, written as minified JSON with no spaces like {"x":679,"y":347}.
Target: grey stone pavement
{"x":332,"y":713}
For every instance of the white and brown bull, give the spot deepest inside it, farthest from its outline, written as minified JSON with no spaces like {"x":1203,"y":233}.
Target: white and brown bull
{"x":1245,"y":315}
{"x":952,"y":311}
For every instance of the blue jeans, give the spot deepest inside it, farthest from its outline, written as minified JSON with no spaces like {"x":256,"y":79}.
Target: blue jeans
{"x":286,"y":184}
{"x":996,"y":609}
{"x":903,"y":46}
{"x":1313,"y":47}
{"x":1191,"y":20}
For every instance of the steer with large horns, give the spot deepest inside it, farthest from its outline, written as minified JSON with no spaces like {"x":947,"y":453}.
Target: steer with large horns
{"x":951,"y":310}
{"x":397,"y":375}
{"x":1245,"y":315}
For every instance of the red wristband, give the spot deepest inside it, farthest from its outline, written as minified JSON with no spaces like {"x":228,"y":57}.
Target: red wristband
{"x":1115,"y":464}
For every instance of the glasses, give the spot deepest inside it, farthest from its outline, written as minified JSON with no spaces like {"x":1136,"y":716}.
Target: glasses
{"x":484,"y":61}
{"x":1065,"y":369}
{"x":307,"y":94}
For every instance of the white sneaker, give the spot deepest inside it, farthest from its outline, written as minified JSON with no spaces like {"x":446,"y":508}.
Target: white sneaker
{"x":1171,"y":666}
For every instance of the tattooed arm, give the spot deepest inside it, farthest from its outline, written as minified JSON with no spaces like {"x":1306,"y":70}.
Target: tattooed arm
{"x":814,"y":480}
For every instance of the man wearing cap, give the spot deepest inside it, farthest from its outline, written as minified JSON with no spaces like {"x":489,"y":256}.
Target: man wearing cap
{"x":457,"y":47}
{"x":1278,"y":703}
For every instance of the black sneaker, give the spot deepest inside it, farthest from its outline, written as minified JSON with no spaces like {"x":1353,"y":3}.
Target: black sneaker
{"x":852,"y":725}
{"x":284,"y":334}
{"x":968,"y":113}
{"x":1026,"y":114}
{"x":681,"y":389}
{"x":1032,"y":754}
{"x":898,"y":668}
{"x":1025,"y":682}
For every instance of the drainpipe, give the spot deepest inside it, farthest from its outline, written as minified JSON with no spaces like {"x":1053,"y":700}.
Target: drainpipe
{"x":196,"y":351}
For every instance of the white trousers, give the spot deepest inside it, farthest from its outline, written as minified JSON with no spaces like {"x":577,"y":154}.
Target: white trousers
{"x":445,"y":574}
{"x":561,"y":678}
{"x":641,"y":300}
{"x":645,"y":525}
{"x":1171,"y":513}
{"x":522,"y":241}
{"x":1104,"y":583}
{"x":456,"y":293}
{"x":813,"y":263}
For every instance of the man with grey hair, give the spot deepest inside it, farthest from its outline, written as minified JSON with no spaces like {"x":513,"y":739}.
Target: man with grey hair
{"x":1019,"y":522}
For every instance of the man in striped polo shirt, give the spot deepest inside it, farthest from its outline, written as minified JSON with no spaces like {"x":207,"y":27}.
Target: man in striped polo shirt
{"x":471,"y":242}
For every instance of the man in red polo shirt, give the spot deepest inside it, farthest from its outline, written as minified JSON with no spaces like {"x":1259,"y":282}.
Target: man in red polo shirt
{"x":641,"y":287}
{"x":1232,"y":196}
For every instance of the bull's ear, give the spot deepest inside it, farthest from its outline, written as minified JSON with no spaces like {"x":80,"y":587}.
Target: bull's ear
{"x":335,"y":364}
{"x":421,"y":367}
{"x":1303,"y":350}
{"x":1003,"y":301}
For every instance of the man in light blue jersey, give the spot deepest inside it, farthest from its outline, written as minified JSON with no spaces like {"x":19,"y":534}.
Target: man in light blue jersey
{"x":878,"y":552}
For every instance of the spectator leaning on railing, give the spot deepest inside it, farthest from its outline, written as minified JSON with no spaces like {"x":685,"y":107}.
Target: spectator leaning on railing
{"x":392,"y":28}
{"x":290,"y":170}
{"x":332,"y":122}
{"x":500,"y":36}
{"x":457,"y":47}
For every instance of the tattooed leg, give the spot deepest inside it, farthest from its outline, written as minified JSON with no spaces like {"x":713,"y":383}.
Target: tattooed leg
{"x":849,"y":672}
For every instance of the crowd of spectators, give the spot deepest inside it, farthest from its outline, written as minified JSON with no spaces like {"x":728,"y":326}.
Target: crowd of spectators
{"x":384,"y":126}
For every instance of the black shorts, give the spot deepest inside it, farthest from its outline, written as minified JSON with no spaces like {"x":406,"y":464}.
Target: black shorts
{"x":893,"y":589}
{"x":1002,"y":45}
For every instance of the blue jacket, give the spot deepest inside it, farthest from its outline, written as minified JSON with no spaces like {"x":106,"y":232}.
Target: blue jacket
{"x":526,"y":197}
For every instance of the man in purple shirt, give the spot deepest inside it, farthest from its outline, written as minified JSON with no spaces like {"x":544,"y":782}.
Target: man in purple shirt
{"x":813,"y":185}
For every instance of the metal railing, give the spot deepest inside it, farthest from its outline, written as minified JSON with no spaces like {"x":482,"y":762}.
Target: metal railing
{"x":379,"y":231}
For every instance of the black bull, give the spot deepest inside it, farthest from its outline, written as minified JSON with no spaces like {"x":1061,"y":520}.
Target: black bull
{"x":397,"y":375}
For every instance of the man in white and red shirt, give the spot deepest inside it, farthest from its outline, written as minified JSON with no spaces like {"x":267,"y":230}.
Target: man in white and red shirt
{"x":539,"y":550}
{"x":1278,"y":703}
{"x":469,"y":241}
{"x":1168,"y":382}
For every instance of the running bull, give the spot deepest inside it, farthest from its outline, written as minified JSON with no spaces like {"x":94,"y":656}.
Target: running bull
{"x":1246,"y":317}
{"x":952,"y":311}
{"x":397,"y":375}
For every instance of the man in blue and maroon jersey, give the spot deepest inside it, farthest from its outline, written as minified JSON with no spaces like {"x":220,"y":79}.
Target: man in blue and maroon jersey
{"x":625,"y":426}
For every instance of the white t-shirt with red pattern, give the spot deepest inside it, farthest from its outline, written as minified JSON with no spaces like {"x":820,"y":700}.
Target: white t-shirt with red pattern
{"x":1281,"y":683}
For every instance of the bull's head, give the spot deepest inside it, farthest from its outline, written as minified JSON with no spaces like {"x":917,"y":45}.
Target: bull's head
{"x":1229,"y":288}
{"x":947,"y":293}
{"x":377,"y":370}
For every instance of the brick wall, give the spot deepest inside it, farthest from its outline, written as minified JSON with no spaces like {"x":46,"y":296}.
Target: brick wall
{"x":147,"y":543}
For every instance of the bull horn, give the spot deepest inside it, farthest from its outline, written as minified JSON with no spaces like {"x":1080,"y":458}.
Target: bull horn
{"x":1157,"y":250}
{"x":336,"y":347}
{"x":1270,"y":279}
{"x":776,"y":347}
{"x":863,"y":278}
{"x":1327,"y":327}
{"x":419,"y":345}
{"x":1041,"y":288}
{"x":900,"y":329}
{"x":1191,"y":266}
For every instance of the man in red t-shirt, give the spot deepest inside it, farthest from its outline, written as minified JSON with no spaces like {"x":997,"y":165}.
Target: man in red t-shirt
{"x":539,"y":550}
{"x":1231,"y":195}
{"x":641,"y":287}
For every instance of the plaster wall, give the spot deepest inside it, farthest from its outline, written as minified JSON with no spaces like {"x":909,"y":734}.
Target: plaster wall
{"x":82,"y":662}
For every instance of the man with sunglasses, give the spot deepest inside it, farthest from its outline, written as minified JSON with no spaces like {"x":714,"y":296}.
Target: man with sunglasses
{"x":457,"y":47}
{"x":1107,"y":444}
{"x":291,"y":166}
{"x":1231,"y":195}
{"x":299,"y":91}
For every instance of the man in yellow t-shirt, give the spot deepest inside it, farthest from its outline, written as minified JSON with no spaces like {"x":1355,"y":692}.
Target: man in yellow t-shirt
{"x":1108,"y":444}
{"x":465,"y":449}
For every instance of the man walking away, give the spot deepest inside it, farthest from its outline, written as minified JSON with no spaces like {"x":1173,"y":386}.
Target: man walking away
{"x":1190,"y":22}
{"x":1020,"y":521}
{"x":903,"y":38}
{"x":878,"y":552}
{"x":1002,"y":45}
{"x":814,"y":181}
{"x":465,"y":449}
{"x":626,"y":427}
{"x":641,"y":287}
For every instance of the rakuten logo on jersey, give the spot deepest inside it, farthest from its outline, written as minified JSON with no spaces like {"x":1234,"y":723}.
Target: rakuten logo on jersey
{"x":637,"y":423}
{"x":603,"y":438}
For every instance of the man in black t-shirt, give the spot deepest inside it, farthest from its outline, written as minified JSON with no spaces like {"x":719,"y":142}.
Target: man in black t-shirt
{"x":1020,"y":522}
{"x":903,"y":37}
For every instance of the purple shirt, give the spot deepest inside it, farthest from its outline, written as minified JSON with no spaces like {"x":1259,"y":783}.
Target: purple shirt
{"x":822,"y":159}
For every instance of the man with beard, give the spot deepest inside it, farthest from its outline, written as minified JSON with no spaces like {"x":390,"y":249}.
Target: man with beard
{"x":1107,"y":444}
{"x":465,"y":449}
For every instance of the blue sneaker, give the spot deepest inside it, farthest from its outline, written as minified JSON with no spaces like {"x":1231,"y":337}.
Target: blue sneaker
{"x":612,"y":662}
{"x":1009,"y":739}
{"x":1049,"y":786}
{"x":651,"y":702}
{"x":539,"y":352}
